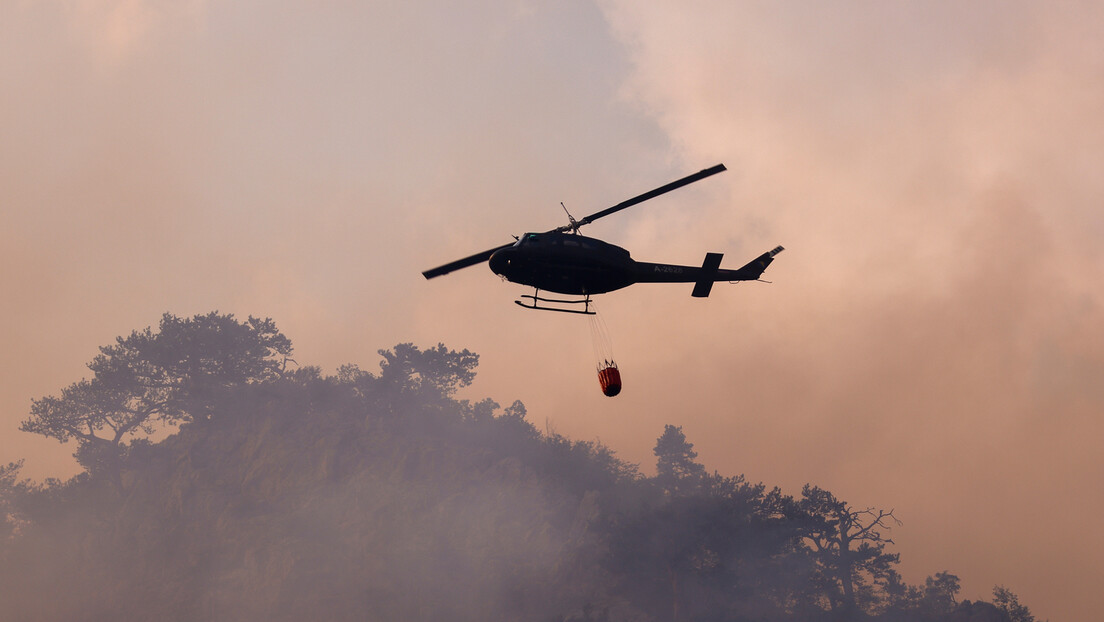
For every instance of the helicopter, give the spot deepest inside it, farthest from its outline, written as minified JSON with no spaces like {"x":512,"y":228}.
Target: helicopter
{"x":564,"y":262}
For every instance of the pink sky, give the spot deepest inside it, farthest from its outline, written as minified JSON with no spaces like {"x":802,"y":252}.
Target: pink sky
{"x":932,"y":340}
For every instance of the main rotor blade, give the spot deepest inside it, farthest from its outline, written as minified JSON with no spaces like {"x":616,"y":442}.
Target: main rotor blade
{"x":463,"y":263}
{"x":674,"y":185}
{"x":485,"y":255}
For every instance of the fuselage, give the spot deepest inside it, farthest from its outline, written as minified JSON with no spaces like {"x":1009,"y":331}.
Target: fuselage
{"x":568,"y":263}
{"x":565,"y":263}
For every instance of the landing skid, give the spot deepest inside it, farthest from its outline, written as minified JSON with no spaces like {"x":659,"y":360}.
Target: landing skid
{"x":535,"y":299}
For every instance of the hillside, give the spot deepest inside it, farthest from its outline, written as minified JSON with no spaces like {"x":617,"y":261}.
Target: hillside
{"x":291,"y":495}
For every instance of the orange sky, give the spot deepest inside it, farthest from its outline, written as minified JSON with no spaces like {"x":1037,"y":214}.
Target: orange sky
{"x":931,"y":342}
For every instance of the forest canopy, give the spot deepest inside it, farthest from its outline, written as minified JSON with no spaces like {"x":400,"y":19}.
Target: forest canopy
{"x":278,"y":492}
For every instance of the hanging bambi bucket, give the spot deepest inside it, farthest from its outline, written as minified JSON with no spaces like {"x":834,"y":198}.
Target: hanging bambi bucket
{"x":610,"y":379}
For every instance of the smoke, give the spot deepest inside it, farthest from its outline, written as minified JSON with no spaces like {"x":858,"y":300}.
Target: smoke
{"x":931,"y":333}
{"x":303,"y":164}
{"x":929,"y":340}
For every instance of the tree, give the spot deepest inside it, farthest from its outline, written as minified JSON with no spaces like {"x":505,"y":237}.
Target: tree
{"x":415,"y":380}
{"x":935,"y":600}
{"x":676,"y":470}
{"x":434,"y":370}
{"x":940,"y":593}
{"x":848,"y":547}
{"x":1008,"y":602}
{"x":152,"y":379}
{"x":700,"y":542}
{"x":9,"y":520}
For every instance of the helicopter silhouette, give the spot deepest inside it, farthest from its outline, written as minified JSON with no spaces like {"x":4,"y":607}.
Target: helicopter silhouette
{"x":564,"y":262}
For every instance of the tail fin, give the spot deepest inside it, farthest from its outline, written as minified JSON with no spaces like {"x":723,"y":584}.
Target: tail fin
{"x":754,"y":269}
{"x":707,"y":275}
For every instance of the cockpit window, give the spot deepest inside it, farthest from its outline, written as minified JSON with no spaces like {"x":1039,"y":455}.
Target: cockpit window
{"x":528,"y":238}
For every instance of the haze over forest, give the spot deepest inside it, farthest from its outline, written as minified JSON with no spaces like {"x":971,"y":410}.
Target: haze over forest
{"x":281,"y":493}
{"x":931,"y":341}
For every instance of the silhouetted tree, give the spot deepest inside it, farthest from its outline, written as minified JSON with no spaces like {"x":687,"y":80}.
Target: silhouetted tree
{"x":416,"y":380}
{"x":678,"y":474}
{"x":1008,"y":602}
{"x":158,"y":378}
{"x":9,"y":476}
{"x":940,"y":593}
{"x":676,"y":470}
{"x":847,"y":545}
{"x":435,"y":370}
{"x":704,"y":546}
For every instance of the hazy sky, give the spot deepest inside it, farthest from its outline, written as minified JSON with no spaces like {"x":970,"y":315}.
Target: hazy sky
{"x":932,"y":341}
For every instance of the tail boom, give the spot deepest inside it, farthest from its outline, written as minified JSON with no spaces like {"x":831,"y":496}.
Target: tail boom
{"x":704,"y":277}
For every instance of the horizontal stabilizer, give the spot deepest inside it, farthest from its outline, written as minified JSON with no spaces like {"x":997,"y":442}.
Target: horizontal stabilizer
{"x":707,"y":275}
